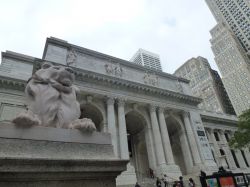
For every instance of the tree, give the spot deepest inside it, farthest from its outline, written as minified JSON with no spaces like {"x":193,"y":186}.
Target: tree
{"x":242,"y":135}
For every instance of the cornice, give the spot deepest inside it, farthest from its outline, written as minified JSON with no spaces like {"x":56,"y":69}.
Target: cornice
{"x":65,"y":44}
{"x":88,"y":76}
{"x":215,"y":117}
{"x":11,"y":83}
{"x":18,"y":56}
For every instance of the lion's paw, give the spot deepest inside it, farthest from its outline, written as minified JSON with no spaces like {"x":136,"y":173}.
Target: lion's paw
{"x":84,"y":124}
{"x":26,"y":119}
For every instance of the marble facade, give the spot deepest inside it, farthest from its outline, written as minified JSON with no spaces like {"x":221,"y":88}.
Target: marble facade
{"x":152,"y":116}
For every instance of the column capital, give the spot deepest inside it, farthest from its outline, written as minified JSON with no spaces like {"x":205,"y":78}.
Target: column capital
{"x":210,"y":130}
{"x":121,"y":101}
{"x":152,"y":108}
{"x":221,"y":131}
{"x":110,"y":100}
{"x":185,"y":113}
{"x":161,"y":109}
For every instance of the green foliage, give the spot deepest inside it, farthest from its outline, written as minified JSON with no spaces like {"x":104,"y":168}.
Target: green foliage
{"x":242,"y":136}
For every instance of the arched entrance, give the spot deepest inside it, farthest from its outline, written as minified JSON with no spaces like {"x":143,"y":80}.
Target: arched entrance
{"x":92,"y":112}
{"x":137,"y":145}
{"x":176,"y":137}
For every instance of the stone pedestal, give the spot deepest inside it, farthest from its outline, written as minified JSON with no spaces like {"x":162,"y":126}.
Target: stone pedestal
{"x":44,"y":156}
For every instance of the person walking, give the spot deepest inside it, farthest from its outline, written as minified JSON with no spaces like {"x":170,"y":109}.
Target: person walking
{"x":181,"y":181}
{"x":191,"y":182}
{"x":203,"y":179}
{"x":165,"y":180}
{"x":158,"y":182}
{"x":137,"y":185}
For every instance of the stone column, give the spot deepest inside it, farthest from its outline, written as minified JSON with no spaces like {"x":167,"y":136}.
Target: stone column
{"x":122,"y":130}
{"x":157,"y":137}
{"x":186,"y":151}
{"x":191,"y":138}
{"x":165,"y":137}
{"x":228,"y":153}
{"x":150,"y":147}
{"x":105,"y":126}
{"x":216,"y":146}
{"x":111,"y":124}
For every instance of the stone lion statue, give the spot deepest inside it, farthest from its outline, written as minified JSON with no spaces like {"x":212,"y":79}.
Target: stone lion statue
{"x":52,"y":100}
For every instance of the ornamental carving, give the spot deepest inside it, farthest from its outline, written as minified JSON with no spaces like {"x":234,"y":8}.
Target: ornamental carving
{"x":52,"y":100}
{"x":71,"y":57}
{"x":179,"y":87}
{"x":151,"y":79}
{"x":115,"y":70}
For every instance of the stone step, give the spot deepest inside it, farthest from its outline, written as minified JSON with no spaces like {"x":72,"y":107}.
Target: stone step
{"x":196,"y":179}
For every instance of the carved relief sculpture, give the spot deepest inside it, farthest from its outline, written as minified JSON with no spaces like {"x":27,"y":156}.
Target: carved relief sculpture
{"x":114,"y":69}
{"x":179,"y":87}
{"x":71,"y":57}
{"x":151,"y":79}
{"x":52,"y":100}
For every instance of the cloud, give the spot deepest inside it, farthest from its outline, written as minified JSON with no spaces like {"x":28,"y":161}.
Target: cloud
{"x":176,"y":30}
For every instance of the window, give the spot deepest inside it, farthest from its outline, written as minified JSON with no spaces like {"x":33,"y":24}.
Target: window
{"x":222,"y":153}
{"x":244,"y":156}
{"x":213,"y":155}
{"x":227,"y":137}
{"x":235,"y":159}
{"x":216,"y":136}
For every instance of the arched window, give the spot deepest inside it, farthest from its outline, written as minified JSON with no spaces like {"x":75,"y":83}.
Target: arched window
{"x":235,"y":159}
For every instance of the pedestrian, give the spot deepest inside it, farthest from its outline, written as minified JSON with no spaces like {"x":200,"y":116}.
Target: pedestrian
{"x":191,"y":183}
{"x":181,"y":181}
{"x":165,"y":180}
{"x":158,"y":182}
{"x":151,"y":173}
{"x":137,"y":185}
{"x":175,"y":184}
{"x":203,"y":176}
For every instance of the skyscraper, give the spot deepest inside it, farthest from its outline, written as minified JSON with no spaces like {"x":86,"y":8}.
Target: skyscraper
{"x":236,"y":15}
{"x":234,"y":66}
{"x":206,"y":84}
{"x":147,"y":59}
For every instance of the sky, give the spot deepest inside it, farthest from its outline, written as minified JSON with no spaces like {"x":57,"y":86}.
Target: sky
{"x":177,"y":30}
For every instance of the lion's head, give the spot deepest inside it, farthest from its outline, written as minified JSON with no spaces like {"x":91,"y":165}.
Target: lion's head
{"x":59,"y":77}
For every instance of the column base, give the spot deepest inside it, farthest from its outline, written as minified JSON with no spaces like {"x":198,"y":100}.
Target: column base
{"x":171,"y":170}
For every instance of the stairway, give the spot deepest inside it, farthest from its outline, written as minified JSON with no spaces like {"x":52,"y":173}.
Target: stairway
{"x":196,"y":179}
